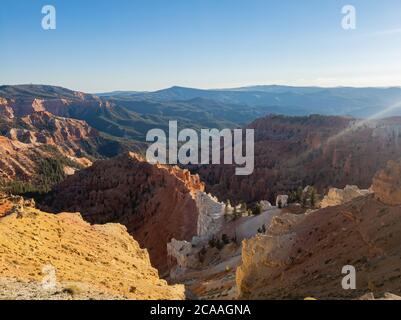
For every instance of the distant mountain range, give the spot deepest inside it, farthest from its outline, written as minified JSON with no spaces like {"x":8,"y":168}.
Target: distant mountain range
{"x":356,"y":102}
{"x":131,"y":114}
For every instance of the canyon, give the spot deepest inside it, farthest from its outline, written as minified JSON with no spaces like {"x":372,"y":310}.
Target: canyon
{"x":195,"y":232}
{"x":302,"y":256}
{"x":155,"y":202}
{"x":321,"y":151}
{"x":273,"y":255}
{"x":35,"y":144}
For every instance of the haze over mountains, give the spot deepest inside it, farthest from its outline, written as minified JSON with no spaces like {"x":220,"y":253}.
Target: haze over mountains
{"x":131,"y":114}
{"x":357,"y":102}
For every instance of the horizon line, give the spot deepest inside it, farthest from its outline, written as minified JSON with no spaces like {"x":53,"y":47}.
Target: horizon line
{"x":205,"y":89}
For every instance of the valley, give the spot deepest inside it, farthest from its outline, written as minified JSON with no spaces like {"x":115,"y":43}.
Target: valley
{"x":77,"y":194}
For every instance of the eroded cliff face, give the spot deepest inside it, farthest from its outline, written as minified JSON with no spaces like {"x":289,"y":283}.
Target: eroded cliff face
{"x":22,"y":106}
{"x":94,"y":261}
{"x":16,"y":160}
{"x":211,"y":215}
{"x":156,"y":203}
{"x":322,"y":151}
{"x":183,"y":255}
{"x":6,"y":111}
{"x":303,"y":255}
{"x":35,"y":117}
{"x":40,"y":136}
{"x":387,"y":184}
{"x":30,"y":133}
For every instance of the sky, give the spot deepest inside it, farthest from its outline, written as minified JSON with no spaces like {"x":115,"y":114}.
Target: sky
{"x":101,"y":46}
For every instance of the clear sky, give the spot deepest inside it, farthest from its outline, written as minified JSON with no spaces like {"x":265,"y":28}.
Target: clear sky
{"x":152,"y":44}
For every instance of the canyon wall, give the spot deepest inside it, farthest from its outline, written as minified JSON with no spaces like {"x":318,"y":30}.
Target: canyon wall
{"x":303,"y":255}
{"x":211,"y":214}
{"x":27,"y":138}
{"x":156,"y":203}
{"x":183,"y":255}
{"x":387,"y":184}
{"x":321,"y":151}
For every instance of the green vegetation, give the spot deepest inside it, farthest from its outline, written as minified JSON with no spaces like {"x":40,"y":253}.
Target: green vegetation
{"x":50,"y":171}
{"x":257,"y":210}
{"x":216,"y":243}
{"x":72,"y":290}
{"x":262,"y":229}
{"x":308,"y":198}
{"x":296,"y":196}
{"x":225,"y":239}
{"x":17,"y":187}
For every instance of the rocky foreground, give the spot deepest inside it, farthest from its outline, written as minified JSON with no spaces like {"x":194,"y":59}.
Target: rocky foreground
{"x":302,"y":256}
{"x":90,"y":261}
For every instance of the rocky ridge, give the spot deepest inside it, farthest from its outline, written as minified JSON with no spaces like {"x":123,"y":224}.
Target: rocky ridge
{"x":89,"y":261}
{"x":155,"y":202}
{"x":303,"y":255}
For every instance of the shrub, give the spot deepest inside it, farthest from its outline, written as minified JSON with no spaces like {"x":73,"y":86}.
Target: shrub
{"x":72,"y":290}
{"x":257,"y":210}
{"x":225,"y":239}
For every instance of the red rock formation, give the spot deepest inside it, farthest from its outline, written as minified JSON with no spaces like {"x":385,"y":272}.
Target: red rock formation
{"x":6,"y":112}
{"x":156,"y":203}
{"x":68,"y":134}
{"x":28,"y":134}
{"x":43,"y":135}
{"x":16,"y":160}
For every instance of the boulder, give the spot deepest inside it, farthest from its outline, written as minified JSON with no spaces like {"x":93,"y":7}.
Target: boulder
{"x":282,"y":200}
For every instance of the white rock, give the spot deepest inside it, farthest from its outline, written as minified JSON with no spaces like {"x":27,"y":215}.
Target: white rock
{"x":283,"y":199}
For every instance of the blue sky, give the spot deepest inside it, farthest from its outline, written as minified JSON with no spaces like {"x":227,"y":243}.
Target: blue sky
{"x":151,"y":44}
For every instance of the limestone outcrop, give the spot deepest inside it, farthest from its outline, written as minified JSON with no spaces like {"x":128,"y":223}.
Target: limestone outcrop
{"x":183,"y":255}
{"x":265,"y":205}
{"x":262,"y":257}
{"x":336,"y":196}
{"x":282,"y":200}
{"x":211,"y":214}
{"x":387,"y":184}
